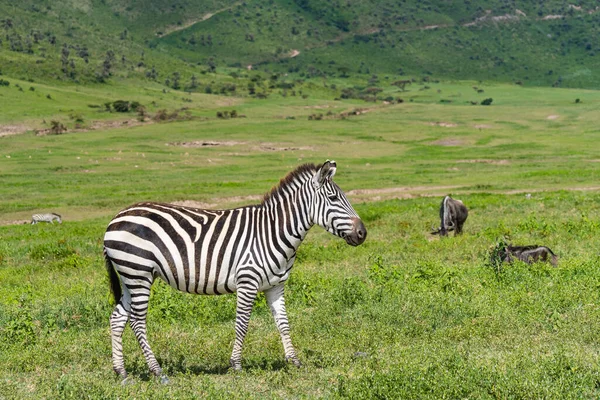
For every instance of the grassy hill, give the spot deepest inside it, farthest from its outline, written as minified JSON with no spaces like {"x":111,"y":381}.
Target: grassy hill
{"x":548,"y":43}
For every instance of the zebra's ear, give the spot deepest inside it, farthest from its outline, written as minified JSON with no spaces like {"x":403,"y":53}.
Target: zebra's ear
{"x":325,"y":172}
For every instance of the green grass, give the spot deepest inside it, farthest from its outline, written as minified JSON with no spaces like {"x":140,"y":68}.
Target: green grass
{"x":400,"y":315}
{"x":404,"y":315}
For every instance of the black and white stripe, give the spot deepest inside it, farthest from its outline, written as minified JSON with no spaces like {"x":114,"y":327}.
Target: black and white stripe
{"x":49,"y":217}
{"x":244,"y":250}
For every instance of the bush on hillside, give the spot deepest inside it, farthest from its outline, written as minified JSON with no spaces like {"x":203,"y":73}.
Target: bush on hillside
{"x":121,"y":106}
{"x":57,"y":128}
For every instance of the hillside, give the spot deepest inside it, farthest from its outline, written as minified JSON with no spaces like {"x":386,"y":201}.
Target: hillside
{"x":545,"y":43}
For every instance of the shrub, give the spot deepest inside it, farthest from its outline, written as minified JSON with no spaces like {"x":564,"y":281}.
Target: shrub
{"x":56,"y":127}
{"x":487,"y":102}
{"x":141,"y":112}
{"x":164,"y":115}
{"x":121,"y":106}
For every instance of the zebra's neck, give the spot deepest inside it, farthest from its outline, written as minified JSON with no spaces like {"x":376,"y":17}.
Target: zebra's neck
{"x":289,"y":208}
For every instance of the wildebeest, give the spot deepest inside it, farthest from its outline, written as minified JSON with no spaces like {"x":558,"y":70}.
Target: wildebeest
{"x":507,"y":253}
{"x":453,"y":214}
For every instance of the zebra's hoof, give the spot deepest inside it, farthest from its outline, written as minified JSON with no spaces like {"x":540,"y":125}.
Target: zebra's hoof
{"x":294,"y":360}
{"x":127,"y":381}
{"x":235,"y":365}
{"x":164,"y":380}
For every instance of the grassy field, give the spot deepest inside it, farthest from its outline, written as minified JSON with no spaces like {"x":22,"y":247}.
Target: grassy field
{"x":405,"y":315}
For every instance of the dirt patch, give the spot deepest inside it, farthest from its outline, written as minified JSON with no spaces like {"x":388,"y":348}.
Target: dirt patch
{"x":15,"y":222}
{"x":552,"y":117}
{"x":294,"y":53}
{"x":483,"y":126}
{"x":9,"y":130}
{"x":219,"y":203}
{"x":444,"y":124}
{"x":175,"y":28}
{"x":317,"y":107}
{"x":206,"y":143}
{"x":484,"y":161}
{"x":547,"y":17}
{"x":275,"y":147}
{"x":99,"y":125}
{"x":406,"y":189}
{"x":449,"y":142}
{"x":227,"y":102}
{"x":195,"y":204}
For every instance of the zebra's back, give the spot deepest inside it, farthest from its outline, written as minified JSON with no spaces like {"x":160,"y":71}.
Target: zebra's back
{"x":193,"y":250}
{"x":48,"y":217}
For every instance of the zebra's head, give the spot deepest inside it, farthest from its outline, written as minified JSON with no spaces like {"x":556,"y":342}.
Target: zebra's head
{"x":332,"y":210}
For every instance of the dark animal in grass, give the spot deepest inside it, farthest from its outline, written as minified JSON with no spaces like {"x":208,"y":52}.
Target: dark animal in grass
{"x":507,"y":253}
{"x":453,"y":214}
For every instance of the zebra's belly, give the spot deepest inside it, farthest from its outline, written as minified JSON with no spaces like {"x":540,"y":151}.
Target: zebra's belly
{"x":201,"y":279}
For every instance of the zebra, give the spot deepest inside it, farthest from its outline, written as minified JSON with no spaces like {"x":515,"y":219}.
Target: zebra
{"x":50,"y":217}
{"x":246,"y":250}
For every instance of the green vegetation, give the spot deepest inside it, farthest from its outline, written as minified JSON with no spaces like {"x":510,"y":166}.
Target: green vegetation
{"x":106,"y":103}
{"x":543,"y":43}
{"x":405,"y":314}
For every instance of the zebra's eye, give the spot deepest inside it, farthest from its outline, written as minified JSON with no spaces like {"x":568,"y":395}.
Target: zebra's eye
{"x":333,"y":197}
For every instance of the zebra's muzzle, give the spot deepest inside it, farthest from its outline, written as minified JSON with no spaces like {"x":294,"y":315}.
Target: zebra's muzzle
{"x":358,"y":234}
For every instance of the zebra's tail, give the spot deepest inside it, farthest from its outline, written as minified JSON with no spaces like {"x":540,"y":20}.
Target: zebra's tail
{"x":115,"y":283}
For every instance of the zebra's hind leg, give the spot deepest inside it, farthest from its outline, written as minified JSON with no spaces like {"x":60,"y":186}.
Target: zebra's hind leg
{"x":276,"y":303}
{"x":118,"y":321}
{"x":245,"y":301}
{"x":139,"y":310}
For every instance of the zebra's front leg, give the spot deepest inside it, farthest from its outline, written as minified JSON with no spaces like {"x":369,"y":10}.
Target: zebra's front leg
{"x":276,"y":303}
{"x":245,"y":302}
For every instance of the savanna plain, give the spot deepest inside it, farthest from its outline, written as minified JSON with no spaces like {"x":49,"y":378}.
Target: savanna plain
{"x":405,"y":315}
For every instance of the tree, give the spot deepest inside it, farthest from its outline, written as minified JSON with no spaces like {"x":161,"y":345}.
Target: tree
{"x":176,"y":78}
{"x":402,"y":83}
{"x":107,"y":65}
{"x":212,"y":65}
{"x":64,"y":59}
{"x":152,"y":74}
{"x":83,"y":52}
{"x":193,"y":82}
{"x":344,"y":72}
{"x":7,"y":23}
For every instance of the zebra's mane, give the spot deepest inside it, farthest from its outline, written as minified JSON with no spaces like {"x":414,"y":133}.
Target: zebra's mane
{"x":290,"y":177}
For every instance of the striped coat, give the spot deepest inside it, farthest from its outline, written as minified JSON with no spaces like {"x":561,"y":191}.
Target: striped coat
{"x":50,"y":218}
{"x":244,"y":250}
